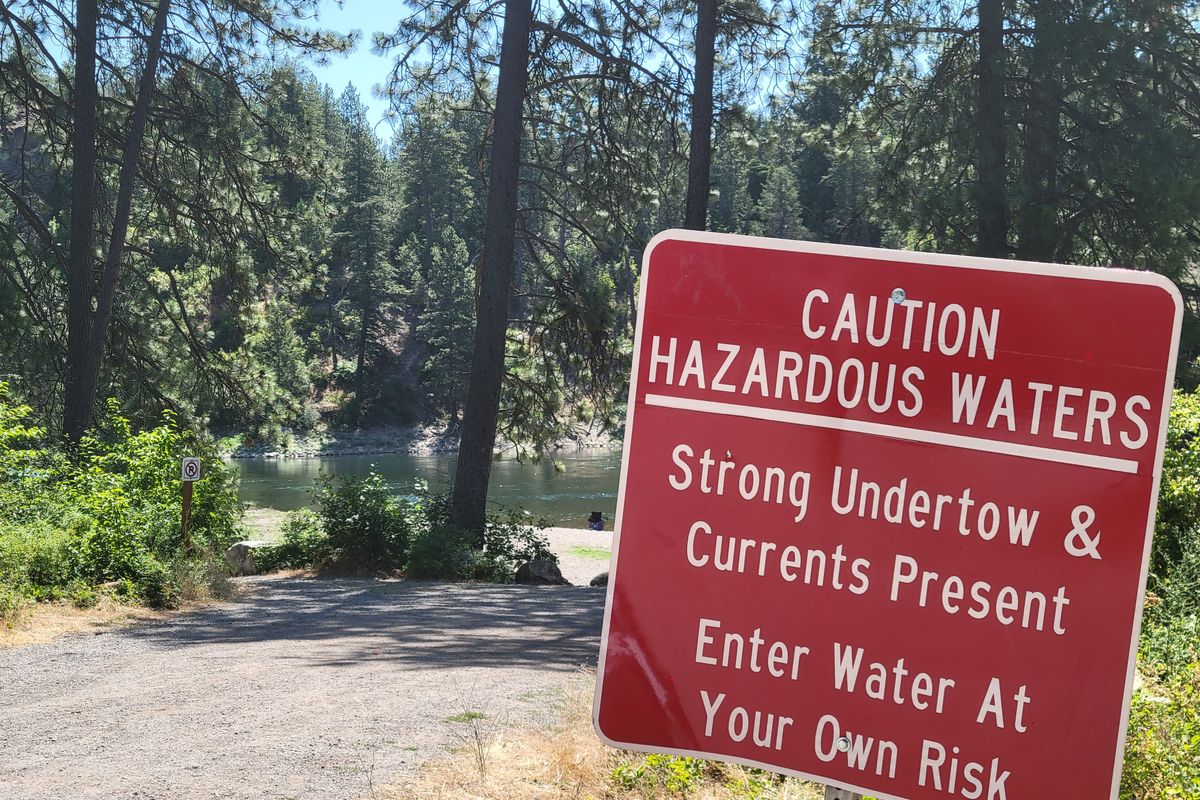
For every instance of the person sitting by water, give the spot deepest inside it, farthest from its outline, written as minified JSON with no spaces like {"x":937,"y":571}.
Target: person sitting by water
{"x":596,"y":521}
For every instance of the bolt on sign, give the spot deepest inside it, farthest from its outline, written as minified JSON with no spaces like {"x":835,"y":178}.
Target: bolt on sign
{"x":884,"y":518}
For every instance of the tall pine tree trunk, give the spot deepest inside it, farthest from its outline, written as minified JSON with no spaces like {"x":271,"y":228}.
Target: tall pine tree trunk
{"x":469,"y":502}
{"x":77,"y":405}
{"x":88,"y":330}
{"x":695,"y":214}
{"x":1037,"y":220}
{"x":991,"y":198}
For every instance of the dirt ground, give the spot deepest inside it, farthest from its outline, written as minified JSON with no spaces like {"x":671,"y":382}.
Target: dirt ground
{"x":304,"y":689}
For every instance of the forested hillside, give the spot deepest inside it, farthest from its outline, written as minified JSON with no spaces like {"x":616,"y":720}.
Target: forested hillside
{"x":276,"y":262}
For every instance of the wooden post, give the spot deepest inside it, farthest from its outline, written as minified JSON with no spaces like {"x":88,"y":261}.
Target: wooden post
{"x":189,"y":472}
{"x":833,"y":793}
{"x":186,"y":538}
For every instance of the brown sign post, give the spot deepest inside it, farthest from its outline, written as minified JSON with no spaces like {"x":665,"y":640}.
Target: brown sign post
{"x":190,"y":473}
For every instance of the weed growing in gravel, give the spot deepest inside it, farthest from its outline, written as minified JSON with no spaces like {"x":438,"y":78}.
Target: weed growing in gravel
{"x":475,"y":729}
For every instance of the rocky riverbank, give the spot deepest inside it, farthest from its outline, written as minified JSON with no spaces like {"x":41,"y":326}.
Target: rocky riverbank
{"x":413,"y":439}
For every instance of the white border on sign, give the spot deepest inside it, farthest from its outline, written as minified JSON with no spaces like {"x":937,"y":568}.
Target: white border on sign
{"x":1104,"y":274}
{"x":183,"y":469}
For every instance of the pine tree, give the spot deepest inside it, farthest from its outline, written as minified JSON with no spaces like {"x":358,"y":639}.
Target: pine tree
{"x":447,"y":324}
{"x":361,"y":240}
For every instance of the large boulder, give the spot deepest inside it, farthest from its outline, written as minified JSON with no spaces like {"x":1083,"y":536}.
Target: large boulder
{"x":541,"y":572}
{"x":600,"y":580}
{"x":240,"y":556}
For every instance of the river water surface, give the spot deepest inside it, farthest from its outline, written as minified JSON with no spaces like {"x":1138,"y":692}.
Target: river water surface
{"x":586,"y":481}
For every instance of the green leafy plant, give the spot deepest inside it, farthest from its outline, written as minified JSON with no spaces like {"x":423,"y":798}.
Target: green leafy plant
{"x":1163,"y":742}
{"x":302,"y":544}
{"x":1179,"y":493}
{"x":674,"y":774}
{"x":13,"y":606}
{"x":366,"y":526}
{"x":110,"y":512}
{"x":442,"y":550}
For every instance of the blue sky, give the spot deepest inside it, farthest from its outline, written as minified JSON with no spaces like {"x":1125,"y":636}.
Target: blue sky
{"x":361,"y":67}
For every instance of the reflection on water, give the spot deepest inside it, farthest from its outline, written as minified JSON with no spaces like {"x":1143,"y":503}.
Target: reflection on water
{"x":588,"y":482}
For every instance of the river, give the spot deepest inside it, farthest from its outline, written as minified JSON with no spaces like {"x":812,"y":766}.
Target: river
{"x":587,"y":481}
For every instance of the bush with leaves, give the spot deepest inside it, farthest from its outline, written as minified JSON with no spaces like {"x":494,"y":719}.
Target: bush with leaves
{"x":27,"y":467}
{"x":1179,"y":494}
{"x":656,"y":772}
{"x":302,"y":544}
{"x":110,"y":512}
{"x":440,"y":549}
{"x":1162,"y":755}
{"x":361,"y":526}
{"x":36,"y":558}
{"x":366,"y":525}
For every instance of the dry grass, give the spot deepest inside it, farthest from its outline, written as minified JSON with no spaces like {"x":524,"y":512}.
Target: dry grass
{"x":568,"y":761}
{"x":45,"y":622}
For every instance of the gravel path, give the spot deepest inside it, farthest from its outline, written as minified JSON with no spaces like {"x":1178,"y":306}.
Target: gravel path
{"x":308,"y":689}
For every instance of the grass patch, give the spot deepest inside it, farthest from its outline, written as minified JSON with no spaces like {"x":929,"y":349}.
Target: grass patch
{"x":467,"y":716}
{"x":596,"y":553}
{"x":263,"y":523}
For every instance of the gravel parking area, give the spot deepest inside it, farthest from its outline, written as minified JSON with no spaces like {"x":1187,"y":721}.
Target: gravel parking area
{"x":307,"y":689}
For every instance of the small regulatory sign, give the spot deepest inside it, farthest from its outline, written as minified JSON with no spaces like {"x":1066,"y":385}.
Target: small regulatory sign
{"x":191,"y":469}
{"x":884,"y":517}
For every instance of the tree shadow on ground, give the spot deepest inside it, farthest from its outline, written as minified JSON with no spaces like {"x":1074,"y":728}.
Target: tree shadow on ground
{"x":409,"y":624}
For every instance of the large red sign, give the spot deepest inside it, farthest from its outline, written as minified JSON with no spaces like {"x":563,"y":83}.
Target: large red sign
{"x":885,"y":517}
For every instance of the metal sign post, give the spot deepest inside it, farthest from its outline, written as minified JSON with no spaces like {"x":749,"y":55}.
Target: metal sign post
{"x":190,"y":473}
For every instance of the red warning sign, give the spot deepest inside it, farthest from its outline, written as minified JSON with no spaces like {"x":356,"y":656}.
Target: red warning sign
{"x":885,"y":517}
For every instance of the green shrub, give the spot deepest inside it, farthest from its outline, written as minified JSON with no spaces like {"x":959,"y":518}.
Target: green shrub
{"x":509,"y":540}
{"x":36,"y":557}
{"x":27,"y":468}
{"x":303,"y":544}
{"x":13,"y":606}
{"x":361,"y":526}
{"x":1179,"y":494}
{"x":1162,"y":753}
{"x":442,"y":550}
{"x":110,"y":513}
{"x":83,"y":596}
{"x":366,"y":526}
{"x":674,"y":774}
{"x":203,"y":578}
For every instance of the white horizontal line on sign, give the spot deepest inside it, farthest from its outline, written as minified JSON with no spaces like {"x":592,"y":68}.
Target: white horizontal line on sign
{"x":895,"y":432}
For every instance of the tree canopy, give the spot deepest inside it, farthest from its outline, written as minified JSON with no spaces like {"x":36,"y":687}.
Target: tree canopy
{"x":252,"y":253}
